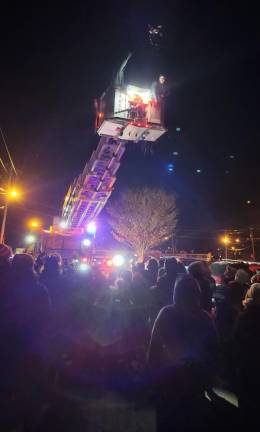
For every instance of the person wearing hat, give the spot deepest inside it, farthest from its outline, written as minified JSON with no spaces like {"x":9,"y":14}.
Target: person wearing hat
{"x":200,"y":272}
{"x":255,"y":278}
{"x":182,"y":355}
{"x":181,"y":329}
{"x":237,"y":290}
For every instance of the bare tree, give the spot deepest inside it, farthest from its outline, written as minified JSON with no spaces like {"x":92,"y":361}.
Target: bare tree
{"x":143,"y":218}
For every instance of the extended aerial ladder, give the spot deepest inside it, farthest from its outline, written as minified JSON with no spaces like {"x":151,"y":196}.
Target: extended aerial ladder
{"x":89,"y":193}
{"x":124,"y":113}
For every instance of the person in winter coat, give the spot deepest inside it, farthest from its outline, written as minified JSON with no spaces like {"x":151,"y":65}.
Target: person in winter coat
{"x":247,"y":356}
{"x":183,"y":335}
{"x":200,"y":272}
{"x":182,"y":356}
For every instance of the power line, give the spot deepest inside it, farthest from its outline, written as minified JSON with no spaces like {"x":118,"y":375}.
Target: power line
{"x":7,"y":151}
{"x":3,"y":165}
{"x":201,"y":232}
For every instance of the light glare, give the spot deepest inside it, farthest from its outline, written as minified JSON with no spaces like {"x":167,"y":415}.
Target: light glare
{"x":170,"y":167}
{"x":13,"y":194}
{"x":63,"y":224}
{"x":91,"y":227}
{"x":83,"y":267}
{"x":34,"y":223}
{"x":225,"y":240}
{"x":29,"y":239}
{"x":86,"y":242}
{"x":118,"y":260}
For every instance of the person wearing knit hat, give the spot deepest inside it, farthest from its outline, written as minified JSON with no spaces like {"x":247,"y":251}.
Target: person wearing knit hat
{"x":255,"y":278}
{"x":184,"y":340}
{"x":200,"y":272}
{"x":237,"y":289}
{"x":22,"y":265}
{"x":229,"y":274}
{"x":252,"y":295}
{"x":187,"y":293}
{"x":242,"y":277}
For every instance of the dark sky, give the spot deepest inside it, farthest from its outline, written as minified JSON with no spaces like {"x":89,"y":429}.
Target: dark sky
{"x":56,"y":59}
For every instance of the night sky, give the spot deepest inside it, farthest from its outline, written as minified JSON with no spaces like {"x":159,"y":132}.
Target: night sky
{"x":56,"y":59}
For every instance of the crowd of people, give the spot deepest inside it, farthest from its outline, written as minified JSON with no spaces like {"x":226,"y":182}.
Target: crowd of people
{"x":161,"y":335}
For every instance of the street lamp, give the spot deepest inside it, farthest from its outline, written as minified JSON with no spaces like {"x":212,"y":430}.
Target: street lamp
{"x":34,"y":224}
{"x":10,"y":194}
{"x":13,"y":193}
{"x":225,"y":240}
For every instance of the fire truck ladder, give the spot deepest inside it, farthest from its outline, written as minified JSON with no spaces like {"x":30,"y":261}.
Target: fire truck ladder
{"x":90,"y":192}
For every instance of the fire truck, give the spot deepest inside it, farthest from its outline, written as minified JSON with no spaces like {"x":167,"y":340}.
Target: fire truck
{"x":125,"y":113}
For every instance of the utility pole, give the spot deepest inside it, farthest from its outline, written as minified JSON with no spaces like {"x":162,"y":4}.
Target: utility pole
{"x":2,"y":235}
{"x":252,"y":242}
{"x":226,"y":245}
{"x":10,"y":172}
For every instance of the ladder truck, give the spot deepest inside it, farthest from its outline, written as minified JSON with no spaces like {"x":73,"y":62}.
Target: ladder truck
{"x":125,"y":114}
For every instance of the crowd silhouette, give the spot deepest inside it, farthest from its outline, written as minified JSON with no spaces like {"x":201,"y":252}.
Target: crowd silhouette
{"x":160,"y":339}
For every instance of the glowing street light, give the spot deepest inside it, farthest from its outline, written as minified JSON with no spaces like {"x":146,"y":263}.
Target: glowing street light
{"x":226,"y":241}
{"x":34,"y":223}
{"x":237,"y":240}
{"x":11,"y":194}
